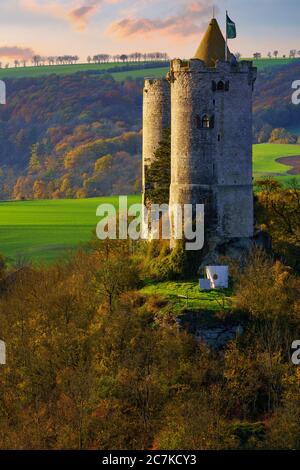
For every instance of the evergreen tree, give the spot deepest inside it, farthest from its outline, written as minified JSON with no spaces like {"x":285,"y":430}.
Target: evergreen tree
{"x":159,"y":173}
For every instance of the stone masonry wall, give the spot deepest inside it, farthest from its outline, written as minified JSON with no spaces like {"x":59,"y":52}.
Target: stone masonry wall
{"x":213,"y":163}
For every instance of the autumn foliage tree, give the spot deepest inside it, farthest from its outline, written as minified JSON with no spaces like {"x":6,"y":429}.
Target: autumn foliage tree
{"x":278,"y":212}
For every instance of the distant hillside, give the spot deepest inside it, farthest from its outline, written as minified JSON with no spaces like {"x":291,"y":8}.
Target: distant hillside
{"x":122,"y":70}
{"x":70,"y":136}
{"x":79,"y":135}
{"x":273,"y":107}
{"x":111,"y":67}
{"x":265,"y":64}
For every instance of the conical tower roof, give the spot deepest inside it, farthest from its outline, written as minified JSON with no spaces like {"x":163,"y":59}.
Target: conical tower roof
{"x":212,"y":47}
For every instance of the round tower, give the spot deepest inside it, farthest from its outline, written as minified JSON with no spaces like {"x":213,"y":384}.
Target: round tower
{"x":156,"y":118}
{"x":211,"y":141}
{"x":192,"y":141}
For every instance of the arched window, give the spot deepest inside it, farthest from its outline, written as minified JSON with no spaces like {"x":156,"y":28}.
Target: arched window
{"x":205,"y":123}
{"x":221,"y":86}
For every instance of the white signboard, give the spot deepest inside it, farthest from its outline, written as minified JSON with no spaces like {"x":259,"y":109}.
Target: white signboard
{"x":218,"y":276}
{"x":2,"y":352}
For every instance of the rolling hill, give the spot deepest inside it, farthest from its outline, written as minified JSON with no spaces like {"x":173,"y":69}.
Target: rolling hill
{"x":266,"y":156}
{"x":139,"y":69}
{"x":67,"y":69}
{"x":44,"y":230}
{"x":79,"y":135}
{"x":47,"y":229}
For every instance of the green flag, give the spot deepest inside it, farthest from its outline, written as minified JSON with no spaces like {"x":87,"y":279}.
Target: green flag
{"x":231,"y":29}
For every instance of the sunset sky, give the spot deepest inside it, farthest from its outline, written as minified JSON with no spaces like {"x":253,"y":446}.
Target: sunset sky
{"x":83,"y":27}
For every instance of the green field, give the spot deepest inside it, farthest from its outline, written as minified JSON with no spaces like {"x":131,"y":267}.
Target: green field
{"x":46,"y":230}
{"x":155,"y":72}
{"x":268,"y":63}
{"x":30,"y":71}
{"x":265,"y":164}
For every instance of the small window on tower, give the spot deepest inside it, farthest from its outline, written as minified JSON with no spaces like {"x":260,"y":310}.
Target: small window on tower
{"x":221,"y":86}
{"x":205,"y":122}
{"x":214,"y":85}
{"x":227,"y":85}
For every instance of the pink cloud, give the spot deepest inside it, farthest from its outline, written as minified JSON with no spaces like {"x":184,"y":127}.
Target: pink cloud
{"x":16,"y":52}
{"x":81,"y":15}
{"x":188,"y":21}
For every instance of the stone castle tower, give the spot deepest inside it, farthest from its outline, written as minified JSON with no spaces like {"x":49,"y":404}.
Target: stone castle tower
{"x":207,"y":103}
{"x":156,"y":118}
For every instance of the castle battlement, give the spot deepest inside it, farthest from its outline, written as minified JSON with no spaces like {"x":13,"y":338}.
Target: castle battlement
{"x":199,"y":66}
{"x":151,"y":83}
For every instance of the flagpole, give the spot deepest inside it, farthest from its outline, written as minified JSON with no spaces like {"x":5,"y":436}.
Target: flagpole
{"x":226,"y":48}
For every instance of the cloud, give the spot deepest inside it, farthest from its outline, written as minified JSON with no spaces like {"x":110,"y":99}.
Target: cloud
{"x":77,"y":12}
{"x":16,"y":52}
{"x":81,"y":15}
{"x":188,"y":21}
